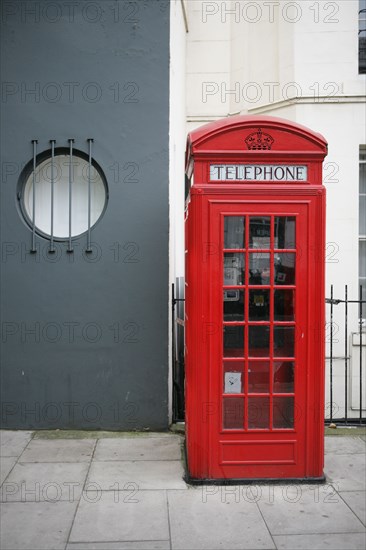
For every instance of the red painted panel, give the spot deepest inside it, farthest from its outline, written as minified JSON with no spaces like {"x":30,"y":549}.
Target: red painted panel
{"x":258,"y":452}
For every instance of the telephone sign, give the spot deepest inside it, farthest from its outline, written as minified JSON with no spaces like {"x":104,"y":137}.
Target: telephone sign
{"x":257,"y":172}
{"x":255,"y":240}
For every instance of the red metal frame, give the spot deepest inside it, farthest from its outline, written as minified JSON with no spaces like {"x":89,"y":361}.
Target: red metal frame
{"x":213,"y":452}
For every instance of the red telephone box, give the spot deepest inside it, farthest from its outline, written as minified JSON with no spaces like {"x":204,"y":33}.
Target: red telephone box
{"x":255,"y":241}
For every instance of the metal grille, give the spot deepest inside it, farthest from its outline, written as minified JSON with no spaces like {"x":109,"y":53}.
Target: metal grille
{"x":51,"y":249}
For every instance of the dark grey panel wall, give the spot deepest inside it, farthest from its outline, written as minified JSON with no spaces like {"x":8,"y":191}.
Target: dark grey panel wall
{"x":85,"y":337}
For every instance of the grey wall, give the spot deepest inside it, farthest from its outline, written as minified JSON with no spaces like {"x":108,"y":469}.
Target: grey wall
{"x":85,"y":338}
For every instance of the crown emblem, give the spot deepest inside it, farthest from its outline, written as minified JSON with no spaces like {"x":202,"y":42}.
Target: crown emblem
{"x":259,"y":140}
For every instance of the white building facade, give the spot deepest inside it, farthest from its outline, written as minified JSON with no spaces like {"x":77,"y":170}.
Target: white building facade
{"x":300,"y":61}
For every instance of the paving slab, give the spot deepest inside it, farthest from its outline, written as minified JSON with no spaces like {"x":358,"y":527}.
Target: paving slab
{"x":346,"y":472}
{"x":59,"y":450}
{"x":301,"y":509}
{"x":121,"y":516}
{"x":215,"y":521}
{"x":50,"y":481}
{"x":146,"y":475}
{"x":6,"y":465}
{"x":13,"y":443}
{"x":36,"y":525}
{"x":129,"y":545}
{"x":97,"y":434}
{"x":349,"y":541}
{"x":158,"y":448}
{"x":356,"y":500}
{"x":345,"y":445}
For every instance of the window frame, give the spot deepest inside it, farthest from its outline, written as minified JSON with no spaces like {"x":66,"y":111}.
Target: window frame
{"x":26,"y":173}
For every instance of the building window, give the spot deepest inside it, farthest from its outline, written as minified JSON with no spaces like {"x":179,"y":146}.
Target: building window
{"x":362,"y":37}
{"x":79,"y":197}
{"x":362,"y":222}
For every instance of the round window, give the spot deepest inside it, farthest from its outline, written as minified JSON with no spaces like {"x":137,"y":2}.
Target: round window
{"x":70,"y":194}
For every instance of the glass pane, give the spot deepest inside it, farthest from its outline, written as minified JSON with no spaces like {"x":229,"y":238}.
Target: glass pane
{"x":233,"y":376}
{"x":363,"y":287}
{"x":284,"y":305}
{"x":362,"y":259}
{"x":234,"y":268}
{"x":284,"y":268}
{"x":233,"y":341}
{"x":259,"y":268}
{"x":259,"y":341}
{"x":363,"y":147}
{"x":283,"y":412}
{"x":234,"y":230}
{"x":284,"y":341}
{"x":233,"y":413}
{"x":363,"y":176}
{"x":235,"y":366}
{"x":284,"y":236}
{"x":258,"y":412}
{"x":283,"y":376}
{"x":233,"y":305}
{"x":259,"y":232}
{"x":258,"y":376}
{"x":362,"y":215}
{"x":258,"y":305}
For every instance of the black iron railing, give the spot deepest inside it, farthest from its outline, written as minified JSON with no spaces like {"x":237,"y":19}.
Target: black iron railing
{"x":341,"y":411}
{"x":344,"y":405}
{"x":178,"y":350}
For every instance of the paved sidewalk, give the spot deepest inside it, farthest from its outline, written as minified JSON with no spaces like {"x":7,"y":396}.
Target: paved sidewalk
{"x":126,"y":492}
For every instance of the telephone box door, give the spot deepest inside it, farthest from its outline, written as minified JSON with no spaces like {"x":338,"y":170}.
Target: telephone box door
{"x":259,"y":381}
